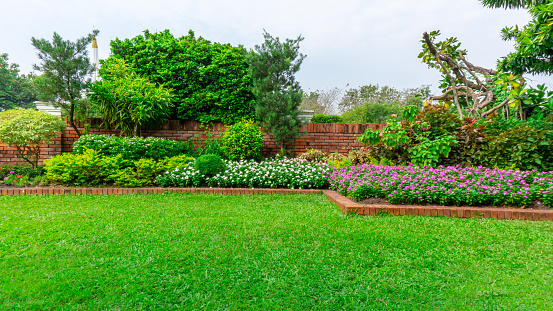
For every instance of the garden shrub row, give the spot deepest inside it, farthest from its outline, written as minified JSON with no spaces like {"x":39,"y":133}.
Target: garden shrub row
{"x":131,"y":148}
{"x":436,"y":136}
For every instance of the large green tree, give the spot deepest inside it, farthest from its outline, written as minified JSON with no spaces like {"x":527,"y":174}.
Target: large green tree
{"x":533,"y":43}
{"x":209,"y":80}
{"x":272,"y":68}
{"x":16,"y":90}
{"x":65,"y":68}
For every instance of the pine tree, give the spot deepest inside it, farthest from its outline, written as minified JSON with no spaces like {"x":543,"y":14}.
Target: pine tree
{"x":278,"y":94}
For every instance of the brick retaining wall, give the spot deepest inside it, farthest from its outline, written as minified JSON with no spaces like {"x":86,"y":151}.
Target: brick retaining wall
{"x":328,"y":137}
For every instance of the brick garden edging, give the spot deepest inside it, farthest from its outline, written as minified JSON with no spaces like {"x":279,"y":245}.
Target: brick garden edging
{"x":109,"y":191}
{"x":349,"y":206}
{"x":345,"y":204}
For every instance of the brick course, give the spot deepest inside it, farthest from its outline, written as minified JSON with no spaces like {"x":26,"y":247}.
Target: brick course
{"x":328,"y":137}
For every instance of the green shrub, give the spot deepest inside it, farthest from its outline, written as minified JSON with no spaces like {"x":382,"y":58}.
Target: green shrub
{"x":243,"y":140}
{"x":209,"y":164}
{"x":131,"y":148}
{"x":88,"y":168}
{"x":520,"y":147}
{"x":127,"y":100}
{"x":313,"y":155}
{"x":27,"y":130}
{"x":180,"y":161}
{"x":335,"y":156}
{"x":322,"y":118}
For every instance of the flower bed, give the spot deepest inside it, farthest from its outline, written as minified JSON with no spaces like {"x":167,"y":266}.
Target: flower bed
{"x":452,"y":185}
{"x":274,"y":173}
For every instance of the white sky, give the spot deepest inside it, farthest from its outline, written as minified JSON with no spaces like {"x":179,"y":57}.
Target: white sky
{"x":355,"y":42}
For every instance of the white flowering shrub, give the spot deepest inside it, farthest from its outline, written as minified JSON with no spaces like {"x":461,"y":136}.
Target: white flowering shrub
{"x":284,"y":173}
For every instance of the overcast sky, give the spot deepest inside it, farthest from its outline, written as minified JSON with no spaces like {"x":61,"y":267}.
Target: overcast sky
{"x":355,"y":42}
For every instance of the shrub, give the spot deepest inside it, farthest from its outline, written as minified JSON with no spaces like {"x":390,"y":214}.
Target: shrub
{"x":180,"y":161}
{"x":127,"y":100}
{"x":27,"y":130}
{"x":88,"y":168}
{"x":243,"y":140}
{"x":361,"y":156}
{"x":322,"y":118}
{"x":335,"y":156}
{"x":131,"y":148}
{"x":209,"y":164}
{"x":313,"y":155}
{"x":520,"y":147}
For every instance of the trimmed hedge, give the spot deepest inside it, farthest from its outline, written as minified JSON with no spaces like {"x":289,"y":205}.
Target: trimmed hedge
{"x":132,"y":148}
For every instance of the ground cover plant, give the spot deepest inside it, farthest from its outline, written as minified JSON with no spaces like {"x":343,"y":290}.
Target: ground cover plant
{"x":271,"y":173}
{"x":265,"y":252}
{"x":452,"y":185}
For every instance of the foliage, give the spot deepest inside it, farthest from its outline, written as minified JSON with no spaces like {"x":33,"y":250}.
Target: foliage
{"x":212,"y":145}
{"x":128,"y":101}
{"x":131,"y":148}
{"x":22,"y":175}
{"x":209,"y":164}
{"x":272,"y":68}
{"x":371,"y":112}
{"x":27,"y":130}
{"x":321,"y":118}
{"x":243,"y":140}
{"x":313,"y":155}
{"x":89,"y":168}
{"x":520,"y":147}
{"x":65,"y":67}
{"x":15,"y":90}
{"x":422,"y":138}
{"x":284,"y":173}
{"x":452,"y":185}
{"x":335,"y":156}
{"x":360,"y":156}
{"x":209,"y":80}
{"x":382,"y":97}
{"x":533,"y":42}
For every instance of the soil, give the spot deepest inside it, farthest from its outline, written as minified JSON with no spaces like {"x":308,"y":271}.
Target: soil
{"x":535,"y":205}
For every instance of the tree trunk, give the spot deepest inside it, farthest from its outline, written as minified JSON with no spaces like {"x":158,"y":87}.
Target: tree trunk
{"x":71,"y":122}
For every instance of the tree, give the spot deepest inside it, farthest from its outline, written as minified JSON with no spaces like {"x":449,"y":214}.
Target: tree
{"x":65,"y":68}
{"x":321,"y":101}
{"x":357,"y":97}
{"x":127,"y":100}
{"x":27,"y":130}
{"x":15,"y":90}
{"x":533,"y":43}
{"x":210,"y":80}
{"x":272,"y":68}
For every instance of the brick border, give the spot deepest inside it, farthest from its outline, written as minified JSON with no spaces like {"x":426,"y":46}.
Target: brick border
{"x":343,"y":203}
{"x":119,"y":191}
{"x":349,"y":206}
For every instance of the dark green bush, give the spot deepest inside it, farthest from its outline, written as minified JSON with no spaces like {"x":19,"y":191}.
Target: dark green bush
{"x":209,"y":164}
{"x":131,"y":148}
{"x":243,"y":140}
{"x":520,"y":147}
{"x":210,"y":80}
{"x":323,"y":118}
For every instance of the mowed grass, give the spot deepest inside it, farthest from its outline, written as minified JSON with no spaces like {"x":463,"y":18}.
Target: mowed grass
{"x":269,"y":252}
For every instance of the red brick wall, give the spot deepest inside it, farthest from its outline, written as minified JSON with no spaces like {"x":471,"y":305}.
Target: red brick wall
{"x":328,"y":137}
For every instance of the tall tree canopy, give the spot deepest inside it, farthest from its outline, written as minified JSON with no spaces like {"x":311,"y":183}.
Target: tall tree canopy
{"x":209,"y":80}
{"x":533,"y":43}
{"x":15,"y":90}
{"x":65,"y":68}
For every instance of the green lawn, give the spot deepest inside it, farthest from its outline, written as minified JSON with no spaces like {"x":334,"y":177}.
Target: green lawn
{"x":266,"y":252}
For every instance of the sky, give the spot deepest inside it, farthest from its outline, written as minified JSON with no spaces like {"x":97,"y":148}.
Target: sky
{"x":348,"y":43}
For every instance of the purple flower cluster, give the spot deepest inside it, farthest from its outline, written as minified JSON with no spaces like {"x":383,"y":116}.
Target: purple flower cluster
{"x":452,"y":185}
